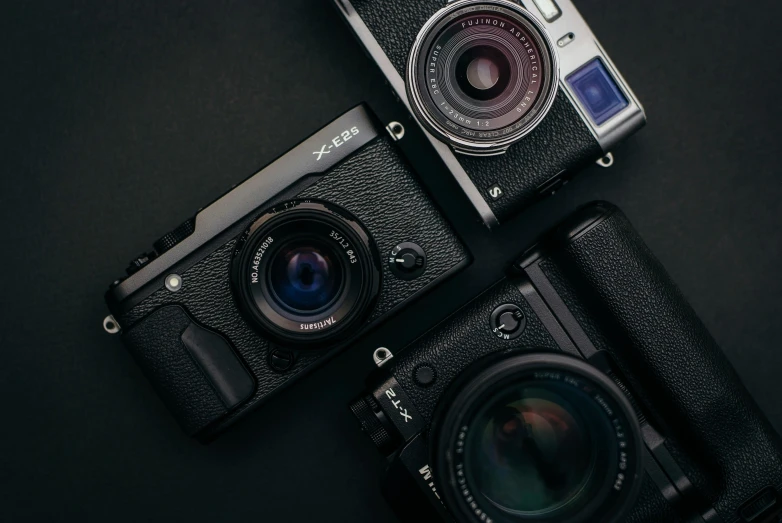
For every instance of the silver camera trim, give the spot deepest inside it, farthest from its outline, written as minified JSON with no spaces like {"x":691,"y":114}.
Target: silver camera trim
{"x":313,"y":155}
{"x":398,"y":85}
{"x":578,"y":52}
{"x":462,"y":145}
{"x":580,"y":49}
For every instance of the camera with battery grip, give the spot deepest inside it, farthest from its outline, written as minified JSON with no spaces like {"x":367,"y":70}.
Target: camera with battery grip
{"x":582,"y":388}
{"x":516,"y":96}
{"x":281,"y":272}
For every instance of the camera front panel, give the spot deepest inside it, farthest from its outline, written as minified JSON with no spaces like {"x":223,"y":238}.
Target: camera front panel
{"x":467,"y":386}
{"x":378,"y":190}
{"x":510,"y":153}
{"x":600,"y":295}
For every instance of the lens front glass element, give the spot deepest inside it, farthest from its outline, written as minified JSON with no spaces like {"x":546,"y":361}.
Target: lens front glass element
{"x":306,"y":273}
{"x":537,"y":438}
{"x":306,"y":276}
{"x":537,"y":449}
{"x":484,"y":73}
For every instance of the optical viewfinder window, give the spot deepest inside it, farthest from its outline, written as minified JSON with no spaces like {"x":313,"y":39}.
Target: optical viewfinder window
{"x":597,"y":91}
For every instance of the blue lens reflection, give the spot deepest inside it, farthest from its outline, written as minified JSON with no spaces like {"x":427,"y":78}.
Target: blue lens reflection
{"x":304,"y":277}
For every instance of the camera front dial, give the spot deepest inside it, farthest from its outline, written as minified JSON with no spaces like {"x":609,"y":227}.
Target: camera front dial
{"x":538,"y":438}
{"x":306,"y":273}
{"x":482,"y":74}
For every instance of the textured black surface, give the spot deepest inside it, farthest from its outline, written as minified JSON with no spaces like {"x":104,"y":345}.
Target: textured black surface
{"x":562,"y":142}
{"x":378,"y":187}
{"x":460,"y":341}
{"x":651,"y":506}
{"x":395,"y":25}
{"x":122,"y":118}
{"x":157,"y":347}
{"x":724,"y":442}
{"x":676,"y":365}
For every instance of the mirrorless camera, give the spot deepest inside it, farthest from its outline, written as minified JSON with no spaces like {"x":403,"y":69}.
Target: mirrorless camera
{"x":281,"y":272}
{"x":582,"y":388}
{"x":521,"y":91}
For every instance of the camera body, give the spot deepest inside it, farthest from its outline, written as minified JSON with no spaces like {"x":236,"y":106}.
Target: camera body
{"x":586,"y":349}
{"x":515,"y":96}
{"x":281,"y":272}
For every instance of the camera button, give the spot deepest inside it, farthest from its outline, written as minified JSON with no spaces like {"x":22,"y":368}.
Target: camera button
{"x":407,"y":261}
{"x":508,"y":322}
{"x":281,"y":360}
{"x":424,"y":375}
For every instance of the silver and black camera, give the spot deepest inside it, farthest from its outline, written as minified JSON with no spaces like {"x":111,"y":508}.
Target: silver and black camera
{"x":281,"y":272}
{"x":520,"y":91}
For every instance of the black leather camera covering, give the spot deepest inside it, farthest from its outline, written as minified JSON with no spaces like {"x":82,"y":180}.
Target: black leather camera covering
{"x":627,"y":304}
{"x":558,"y":147}
{"x":380,"y":189}
{"x":172,"y":349}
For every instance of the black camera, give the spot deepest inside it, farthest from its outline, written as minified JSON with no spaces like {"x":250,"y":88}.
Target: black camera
{"x":521,"y":91}
{"x":282,"y":271}
{"x":582,"y":388}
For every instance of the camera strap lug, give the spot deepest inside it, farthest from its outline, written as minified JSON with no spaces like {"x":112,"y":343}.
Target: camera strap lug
{"x":396,"y":130}
{"x":111,"y":325}
{"x":606,"y":161}
{"x":381,"y":356}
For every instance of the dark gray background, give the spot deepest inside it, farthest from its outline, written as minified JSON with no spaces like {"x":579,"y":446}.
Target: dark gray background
{"x":120,"y":119}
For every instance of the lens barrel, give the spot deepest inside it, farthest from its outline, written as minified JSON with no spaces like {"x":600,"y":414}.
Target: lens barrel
{"x":482,"y":74}
{"x":306,"y":273}
{"x":534,"y":438}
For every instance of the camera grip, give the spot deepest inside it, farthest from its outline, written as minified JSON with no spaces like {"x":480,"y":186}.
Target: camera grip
{"x":676,"y":367}
{"x":194,"y":370}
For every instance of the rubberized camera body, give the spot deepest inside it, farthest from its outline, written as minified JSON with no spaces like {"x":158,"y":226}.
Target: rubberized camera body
{"x":281,"y":272}
{"x":581,"y":388}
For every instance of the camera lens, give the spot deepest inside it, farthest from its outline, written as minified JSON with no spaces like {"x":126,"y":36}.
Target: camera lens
{"x":539,"y":438}
{"x":482,"y":74}
{"x":306,"y":272}
{"x":536,"y":448}
{"x":305,"y":276}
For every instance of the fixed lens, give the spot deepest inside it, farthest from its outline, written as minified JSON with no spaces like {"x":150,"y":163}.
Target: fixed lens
{"x":537,"y":448}
{"x":483,"y":75}
{"x":305,"y":276}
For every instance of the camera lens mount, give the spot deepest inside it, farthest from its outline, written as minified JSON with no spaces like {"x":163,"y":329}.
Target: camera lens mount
{"x":306,"y":273}
{"x":537,"y":437}
{"x":482,"y":75}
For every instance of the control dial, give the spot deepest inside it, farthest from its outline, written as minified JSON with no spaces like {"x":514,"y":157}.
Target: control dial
{"x":508,"y":322}
{"x":407,"y":261}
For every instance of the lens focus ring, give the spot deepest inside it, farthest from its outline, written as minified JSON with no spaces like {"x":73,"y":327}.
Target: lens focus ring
{"x":306,"y":272}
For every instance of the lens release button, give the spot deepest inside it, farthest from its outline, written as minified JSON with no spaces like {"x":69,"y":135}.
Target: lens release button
{"x":508,"y":322}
